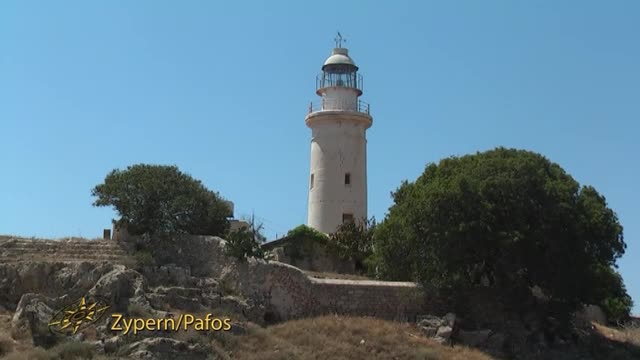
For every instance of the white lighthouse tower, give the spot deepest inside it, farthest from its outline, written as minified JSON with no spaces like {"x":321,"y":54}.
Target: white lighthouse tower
{"x":338,"y":177}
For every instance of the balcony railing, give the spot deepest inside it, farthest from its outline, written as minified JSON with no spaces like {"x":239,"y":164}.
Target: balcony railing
{"x":339,"y":105}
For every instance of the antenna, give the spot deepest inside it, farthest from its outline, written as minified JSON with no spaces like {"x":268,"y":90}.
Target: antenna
{"x":339,"y":39}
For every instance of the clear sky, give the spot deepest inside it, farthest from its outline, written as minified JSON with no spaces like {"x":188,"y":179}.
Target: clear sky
{"x":221,"y":89}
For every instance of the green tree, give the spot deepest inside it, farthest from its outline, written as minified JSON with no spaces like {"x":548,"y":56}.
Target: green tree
{"x":505,"y":219}
{"x":246,"y":241}
{"x":354,"y":240}
{"x":611,"y":294}
{"x":157,"y":199}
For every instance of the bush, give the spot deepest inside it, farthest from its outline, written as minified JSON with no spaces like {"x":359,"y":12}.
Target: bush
{"x":137,"y":311}
{"x":31,"y":354}
{"x":143,"y":259}
{"x":246,"y":242}
{"x":505,"y":219}
{"x":153,"y":199}
{"x":305,"y":232}
{"x":354,"y":240}
{"x":72,"y":350}
{"x":302,"y":240}
{"x":610,"y":294}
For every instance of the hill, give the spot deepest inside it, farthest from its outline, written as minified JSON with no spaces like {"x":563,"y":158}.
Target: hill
{"x":39,"y":278}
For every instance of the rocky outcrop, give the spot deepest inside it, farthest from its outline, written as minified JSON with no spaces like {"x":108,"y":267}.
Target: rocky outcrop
{"x":446,"y":330}
{"x":191,"y":252}
{"x":33,"y":313}
{"x":439,"y":329}
{"x":121,"y":287}
{"x":52,"y":279}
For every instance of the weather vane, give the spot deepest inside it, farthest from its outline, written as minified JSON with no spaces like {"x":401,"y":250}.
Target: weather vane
{"x":339,"y":40}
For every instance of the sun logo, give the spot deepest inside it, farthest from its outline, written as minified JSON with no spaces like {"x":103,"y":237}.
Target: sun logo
{"x":77,"y":316}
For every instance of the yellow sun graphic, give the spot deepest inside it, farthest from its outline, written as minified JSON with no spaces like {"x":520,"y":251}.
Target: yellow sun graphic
{"x":77,"y":316}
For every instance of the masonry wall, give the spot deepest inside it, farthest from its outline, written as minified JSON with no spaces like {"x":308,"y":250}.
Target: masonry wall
{"x":287,"y":293}
{"x":387,"y":300}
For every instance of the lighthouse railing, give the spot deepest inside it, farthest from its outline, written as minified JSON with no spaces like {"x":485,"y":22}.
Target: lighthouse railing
{"x":339,"y":105}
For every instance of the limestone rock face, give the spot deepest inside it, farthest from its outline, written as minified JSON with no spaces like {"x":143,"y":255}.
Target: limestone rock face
{"x":52,"y":279}
{"x":120,"y":287}
{"x":32,"y":316}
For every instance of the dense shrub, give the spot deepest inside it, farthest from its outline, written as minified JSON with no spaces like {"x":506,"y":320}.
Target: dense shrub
{"x":504,"y":219}
{"x":246,"y":241}
{"x":354,"y":240}
{"x":153,"y":199}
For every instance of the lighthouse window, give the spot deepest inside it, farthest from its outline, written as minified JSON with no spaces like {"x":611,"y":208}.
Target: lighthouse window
{"x":311,"y":182}
{"x":347,"y":218}
{"x":347,"y":179}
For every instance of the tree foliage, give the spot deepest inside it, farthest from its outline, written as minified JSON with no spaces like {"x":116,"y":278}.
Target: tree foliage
{"x":354,"y":240}
{"x":507,"y":219}
{"x":302,"y":232}
{"x":246,"y":241}
{"x":152,"y":199}
{"x":303,"y":240}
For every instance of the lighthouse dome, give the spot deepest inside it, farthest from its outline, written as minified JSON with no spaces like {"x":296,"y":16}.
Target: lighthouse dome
{"x":339,"y":56}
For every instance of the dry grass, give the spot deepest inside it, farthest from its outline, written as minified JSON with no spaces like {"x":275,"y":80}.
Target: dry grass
{"x":632,"y":334}
{"x":627,"y":334}
{"x":65,"y":238}
{"x":337,"y":337}
{"x":6,"y":344}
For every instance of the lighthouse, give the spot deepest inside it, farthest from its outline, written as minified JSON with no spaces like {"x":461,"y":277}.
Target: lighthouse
{"x":338,"y":123}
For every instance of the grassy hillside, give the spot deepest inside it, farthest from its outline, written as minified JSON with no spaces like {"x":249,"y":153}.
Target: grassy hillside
{"x":337,"y":337}
{"x":326,"y":337}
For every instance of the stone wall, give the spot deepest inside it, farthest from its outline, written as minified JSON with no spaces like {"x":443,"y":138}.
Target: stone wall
{"x":286,"y":292}
{"x":387,"y":300}
{"x":282,"y":291}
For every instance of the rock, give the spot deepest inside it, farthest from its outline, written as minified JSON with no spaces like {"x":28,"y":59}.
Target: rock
{"x":473,"y":338}
{"x":443,"y":334}
{"x":176,"y":274}
{"x":112,"y":344}
{"x":449,"y":320}
{"x":238,"y":328}
{"x":589,"y":314}
{"x":207,"y":285}
{"x":160,"y":348}
{"x":160,"y":301}
{"x":234,"y":305}
{"x":170,"y":274}
{"x":32,"y":310}
{"x":51,"y":278}
{"x":429,"y":321}
{"x":118,"y":286}
{"x":32,"y":317}
{"x":440,"y":329}
{"x":429,"y":325}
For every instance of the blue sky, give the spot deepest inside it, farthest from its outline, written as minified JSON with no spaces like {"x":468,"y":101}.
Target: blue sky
{"x":221,"y":90}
